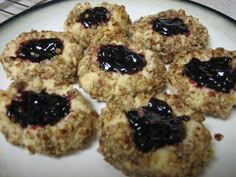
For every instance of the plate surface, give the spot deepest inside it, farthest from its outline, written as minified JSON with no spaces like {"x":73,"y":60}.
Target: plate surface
{"x":15,"y":161}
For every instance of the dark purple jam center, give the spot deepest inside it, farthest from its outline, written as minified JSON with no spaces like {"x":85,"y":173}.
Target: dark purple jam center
{"x":216,"y":73}
{"x":40,"y":49}
{"x":39,"y":109}
{"x":94,"y":17}
{"x":155,"y":127}
{"x":169,"y":27}
{"x":118,"y":58}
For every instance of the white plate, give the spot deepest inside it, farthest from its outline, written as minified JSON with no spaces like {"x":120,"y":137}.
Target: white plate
{"x":15,"y":161}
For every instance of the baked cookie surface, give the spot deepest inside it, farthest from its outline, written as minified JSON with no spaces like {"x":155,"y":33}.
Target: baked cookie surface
{"x":118,"y":68}
{"x":211,"y":87}
{"x":102,"y":22}
{"x":44,"y":55}
{"x":142,"y":146}
{"x":46,"y":120}
{"x":168,"y":33}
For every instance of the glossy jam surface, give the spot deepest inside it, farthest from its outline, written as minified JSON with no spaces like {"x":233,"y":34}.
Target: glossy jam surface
{"x":40,"y":49}
{"x":118,"y":58}
{"x":160,"y":107}
{"x":169,"y":27}
{"x":155,"y":127}
{"x":216,"y":73}
{"x":94,"y":17}
{"x":38,"y":109}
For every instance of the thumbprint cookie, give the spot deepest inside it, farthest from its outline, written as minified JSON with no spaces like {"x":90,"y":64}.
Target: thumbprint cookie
{"x":119,"y":68}
{"x":154,"y":137}
{"x":168,"y":33}
{"x":50,"y":121}
{"x":97,"y":23}
{"x":206,"y":79}
{"x":45,"y":55}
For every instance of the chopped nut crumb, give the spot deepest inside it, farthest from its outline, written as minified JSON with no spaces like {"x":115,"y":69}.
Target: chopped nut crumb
{"x":219,"y":136}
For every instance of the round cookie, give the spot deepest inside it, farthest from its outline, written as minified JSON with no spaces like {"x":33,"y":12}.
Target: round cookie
{"x":147,"y":143}
{"x":120,"y":68}
{"x":168,"y":33}
{"x":47,"y":55}
{"x":213,"y":89}
{"x":97,"y":23}
{"x":50,"y":121}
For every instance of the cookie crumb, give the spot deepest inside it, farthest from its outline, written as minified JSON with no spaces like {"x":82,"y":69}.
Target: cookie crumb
{"x":219,"y":137}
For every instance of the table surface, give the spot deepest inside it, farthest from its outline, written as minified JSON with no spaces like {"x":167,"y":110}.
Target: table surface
{"x":13,"y":8}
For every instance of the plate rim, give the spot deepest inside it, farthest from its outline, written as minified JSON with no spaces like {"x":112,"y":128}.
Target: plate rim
{"x":27,"y":11}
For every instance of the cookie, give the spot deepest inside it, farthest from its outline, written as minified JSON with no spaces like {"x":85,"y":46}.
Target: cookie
{"x":206,"y":80}
{"x":119,"y":68}
{"x":50,"y":121}
{"x":168,"y":33}
{"x":102,"y":22}
{"x":47,"y":55}
{"x":154,"y":137}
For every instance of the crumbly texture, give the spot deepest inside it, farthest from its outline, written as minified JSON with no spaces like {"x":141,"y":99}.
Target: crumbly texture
{"x":70,"y":133}
{"x":59,"y":69}
{"x":119,"y":23}
{"x":207,"y":100}
{"x":184,"y":159}
{"x":106,"y":86}
{"x":167,"y":46}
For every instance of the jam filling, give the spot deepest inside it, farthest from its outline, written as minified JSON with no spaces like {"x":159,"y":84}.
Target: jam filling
{"x":216,"y":73}
{"x":154,"y":126}
{"x":94,"y":17}
{"x":118,"y":58}
{"x":40,"y":49}
{"x":169,"y":27}
{"x":38,"y":109}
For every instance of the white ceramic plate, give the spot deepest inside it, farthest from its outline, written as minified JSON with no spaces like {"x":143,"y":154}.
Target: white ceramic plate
{"x":15,"y":161}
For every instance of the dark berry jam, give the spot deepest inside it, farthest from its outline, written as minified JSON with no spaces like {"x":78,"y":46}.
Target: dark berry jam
{"x":155,"y":126}
{"x":160,"y":107}
{"x":118,"y":58}
{"x":183,"y":118}
{"x":216,"y":73}
{"x":94,"y":17}
{"x":169,"y":27}
{"x":38,"y":109}
{"x":40,"y":49}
